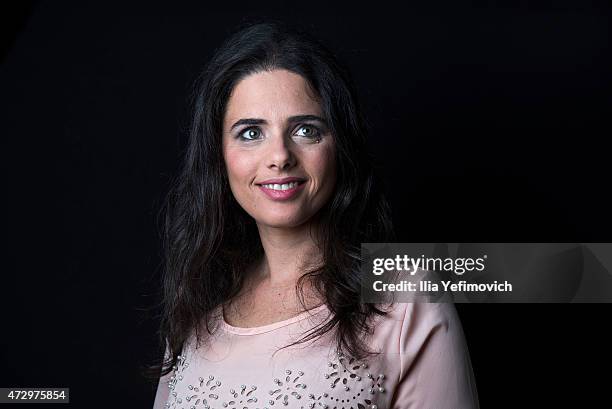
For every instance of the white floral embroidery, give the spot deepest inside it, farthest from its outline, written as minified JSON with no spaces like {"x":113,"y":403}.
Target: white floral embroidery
{"x":350,"y":386}
{"x":241,"y":398}
{"x":291,"y":387}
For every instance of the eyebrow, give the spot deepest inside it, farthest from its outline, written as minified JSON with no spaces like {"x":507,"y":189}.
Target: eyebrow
{"x":292,"y":120}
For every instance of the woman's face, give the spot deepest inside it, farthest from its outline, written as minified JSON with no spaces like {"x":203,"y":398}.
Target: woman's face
{"x":278,"y":151}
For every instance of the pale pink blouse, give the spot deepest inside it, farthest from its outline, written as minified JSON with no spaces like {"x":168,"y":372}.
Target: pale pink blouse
{"x":424,"y":363}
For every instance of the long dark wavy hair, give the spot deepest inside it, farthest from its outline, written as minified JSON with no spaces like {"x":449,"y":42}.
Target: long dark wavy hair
{"x":209,"y":240}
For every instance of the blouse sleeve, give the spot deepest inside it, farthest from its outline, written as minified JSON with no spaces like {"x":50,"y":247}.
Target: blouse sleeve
{"x":436,"y":371}
{"x":163,"y":390}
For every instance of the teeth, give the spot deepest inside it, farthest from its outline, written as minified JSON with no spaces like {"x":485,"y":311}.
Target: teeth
{"x":284,"y":186}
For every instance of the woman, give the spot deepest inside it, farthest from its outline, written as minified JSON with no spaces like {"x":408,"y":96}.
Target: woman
{"x":262,"y":241}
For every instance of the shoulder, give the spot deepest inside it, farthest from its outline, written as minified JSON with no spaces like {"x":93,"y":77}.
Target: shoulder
{"x":428,"y":345}
{"x":412,"y":316}
{"x":408,"y":328}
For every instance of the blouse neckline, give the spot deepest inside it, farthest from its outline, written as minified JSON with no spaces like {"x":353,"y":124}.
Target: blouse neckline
{"x":270,"y":327}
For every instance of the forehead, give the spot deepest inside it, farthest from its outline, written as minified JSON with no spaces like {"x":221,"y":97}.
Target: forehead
{"x":271,"y":95}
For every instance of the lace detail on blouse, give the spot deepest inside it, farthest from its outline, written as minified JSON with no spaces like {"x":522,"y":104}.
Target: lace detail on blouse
{"x":349,"y":386}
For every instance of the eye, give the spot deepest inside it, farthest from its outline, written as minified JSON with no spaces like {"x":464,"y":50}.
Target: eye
{"x":308,"y":131}
{"x":250,"y":134}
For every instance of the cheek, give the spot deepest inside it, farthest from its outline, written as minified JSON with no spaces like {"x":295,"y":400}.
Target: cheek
{"x":239,"y":167}
{"x":324,"y":165}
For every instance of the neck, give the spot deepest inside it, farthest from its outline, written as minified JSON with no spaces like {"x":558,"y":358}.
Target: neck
{"x":289,"y":252}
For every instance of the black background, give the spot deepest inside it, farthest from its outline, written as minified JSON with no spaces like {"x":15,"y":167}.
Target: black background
{"x":490,"y":122}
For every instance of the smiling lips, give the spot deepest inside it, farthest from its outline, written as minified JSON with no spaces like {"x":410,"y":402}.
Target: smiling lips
{"x":282,"y":189}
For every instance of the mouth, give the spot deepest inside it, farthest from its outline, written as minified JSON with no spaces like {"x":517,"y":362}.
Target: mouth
{"x":282,"y":191}
{"x":282,"y":186}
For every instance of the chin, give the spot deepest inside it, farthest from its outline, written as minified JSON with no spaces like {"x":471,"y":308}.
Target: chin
{"x":280,"y":222}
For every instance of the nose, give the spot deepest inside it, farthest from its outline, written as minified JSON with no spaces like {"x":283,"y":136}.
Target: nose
{"x":279,"y":155}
